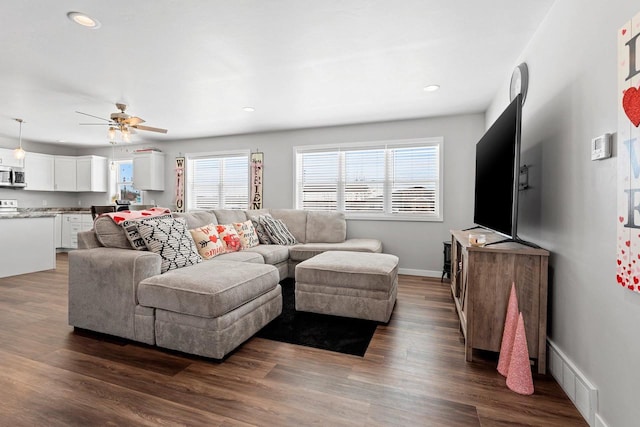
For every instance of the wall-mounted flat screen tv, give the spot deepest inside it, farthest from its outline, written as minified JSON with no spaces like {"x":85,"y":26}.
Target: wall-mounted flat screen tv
{"x":497,"y":173}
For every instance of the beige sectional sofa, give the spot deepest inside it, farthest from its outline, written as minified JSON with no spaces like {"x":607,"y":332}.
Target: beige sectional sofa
{"x":208,"y":308}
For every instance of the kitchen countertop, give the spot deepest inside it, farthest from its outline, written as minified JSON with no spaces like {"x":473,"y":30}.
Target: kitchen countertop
{"x":43,"y":212}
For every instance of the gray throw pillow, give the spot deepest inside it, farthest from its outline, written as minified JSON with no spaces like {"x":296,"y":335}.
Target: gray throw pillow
{"x":263,"y":236}
{"x":277,"y":230}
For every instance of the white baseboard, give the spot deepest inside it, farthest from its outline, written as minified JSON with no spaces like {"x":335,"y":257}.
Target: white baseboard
{"x":579,"y":389}
{"x":600,"y":422}
{"x":423,"y":273}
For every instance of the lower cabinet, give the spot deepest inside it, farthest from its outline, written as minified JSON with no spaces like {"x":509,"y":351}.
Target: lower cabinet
{"x":481,"y":285}
{"x":71,"y":225}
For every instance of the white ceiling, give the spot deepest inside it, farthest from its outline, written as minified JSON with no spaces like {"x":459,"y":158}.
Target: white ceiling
{"x":191,"y":66}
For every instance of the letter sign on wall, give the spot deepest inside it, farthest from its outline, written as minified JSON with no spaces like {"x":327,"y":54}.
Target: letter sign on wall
{"x":257,"y":160}
{"x":628,"y":221}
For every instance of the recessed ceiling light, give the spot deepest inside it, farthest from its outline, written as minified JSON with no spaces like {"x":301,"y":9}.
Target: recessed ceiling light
{"x":431,"y":88}
{"x":248,"y":109}
{"x":84,"y":20}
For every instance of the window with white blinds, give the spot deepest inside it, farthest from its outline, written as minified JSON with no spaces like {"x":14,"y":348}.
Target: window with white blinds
{"x":395,"y":179}
{"x":218,"y":181}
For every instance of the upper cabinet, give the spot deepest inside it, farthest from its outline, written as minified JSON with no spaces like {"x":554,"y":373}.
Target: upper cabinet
{"x":91,"y":173}
{"x":65,"y":173}
{"x":148,"y":171}
{"x":7,"y":158}
{"x":39,"y":172}
{"x":45,"y":172}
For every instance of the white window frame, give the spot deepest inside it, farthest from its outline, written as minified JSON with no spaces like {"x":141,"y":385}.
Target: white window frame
{"x":190,"y":157}
{"x":114,"y":185}
{"x":387,"y":215}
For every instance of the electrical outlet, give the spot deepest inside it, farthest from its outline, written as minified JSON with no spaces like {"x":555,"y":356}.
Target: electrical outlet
{"x":79,"y":202}
{"x":44,"y":202}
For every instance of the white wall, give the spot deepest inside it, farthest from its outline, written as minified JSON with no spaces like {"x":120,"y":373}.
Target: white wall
{"x":418,"y":244}
{"x":571,"y":207}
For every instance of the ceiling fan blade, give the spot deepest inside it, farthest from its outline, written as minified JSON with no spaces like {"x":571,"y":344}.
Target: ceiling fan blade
{"x":95,"y":117}
{"x":134,"y":121}
{"x":149,"y":128}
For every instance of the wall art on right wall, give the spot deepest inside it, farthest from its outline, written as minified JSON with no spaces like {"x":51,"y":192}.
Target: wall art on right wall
{"x":628,"y":221}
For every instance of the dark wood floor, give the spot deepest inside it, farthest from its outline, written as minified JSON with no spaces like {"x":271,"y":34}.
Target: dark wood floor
{"x":413,"y":373}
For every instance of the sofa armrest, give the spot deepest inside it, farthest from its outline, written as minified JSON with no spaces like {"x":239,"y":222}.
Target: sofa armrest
{"x":103,"y":284}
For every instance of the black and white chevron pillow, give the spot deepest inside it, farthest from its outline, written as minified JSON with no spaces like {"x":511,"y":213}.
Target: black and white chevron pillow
{"x":170,"y":238}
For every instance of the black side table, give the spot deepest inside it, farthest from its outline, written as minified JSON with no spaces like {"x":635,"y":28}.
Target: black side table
{"x":446,"y":266}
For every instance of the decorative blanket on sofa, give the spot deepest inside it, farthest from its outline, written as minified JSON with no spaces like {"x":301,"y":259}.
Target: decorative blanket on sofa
{"x":119,"y":217}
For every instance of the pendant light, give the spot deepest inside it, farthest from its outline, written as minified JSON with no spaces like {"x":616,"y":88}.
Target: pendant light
{"x":19,"y":153}
{"x":113,"y":155}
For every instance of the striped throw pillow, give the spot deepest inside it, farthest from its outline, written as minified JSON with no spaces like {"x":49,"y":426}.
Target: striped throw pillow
{"x":277,"y":230}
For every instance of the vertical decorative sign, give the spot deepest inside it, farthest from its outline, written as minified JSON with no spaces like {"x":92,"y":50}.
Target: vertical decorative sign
{"x":255,"y":201}
{"x":628,"y":221}
{"x":179,"y":184}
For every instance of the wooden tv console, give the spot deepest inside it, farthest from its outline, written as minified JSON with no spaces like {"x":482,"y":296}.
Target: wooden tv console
{"x":480,"y":286}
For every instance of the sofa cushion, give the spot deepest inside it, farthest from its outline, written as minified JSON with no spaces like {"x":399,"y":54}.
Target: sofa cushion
{"x":247,"y":234}
{"x":241,"y":256}
{"x":229,"y":236}
{"x":197,"y":219}
{"x":277,"y":230}
{"x":229,"y":216}
{"x":272,"y":254}
{"x":208,"y":241}
{"x":295,"y":220}
{"x":110,"y":234}
{"x":200,"y":290}
{"x":326,"y":227}
{"x":169,"y":238}
{"x":305,"y":251}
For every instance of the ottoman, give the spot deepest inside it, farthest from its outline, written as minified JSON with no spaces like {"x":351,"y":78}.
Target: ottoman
{"x":350,"y":284}
{"x":212,"y":307}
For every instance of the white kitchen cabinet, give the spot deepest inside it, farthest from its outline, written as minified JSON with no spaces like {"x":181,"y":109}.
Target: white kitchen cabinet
{"x":65,"y":173}
{"x":39,"y":172}
{"x":71,"y":225}
{"x":91,"y":173}
{"x":57,"y":239}
{"x":148,"y":171}
{"x":8,"y":159}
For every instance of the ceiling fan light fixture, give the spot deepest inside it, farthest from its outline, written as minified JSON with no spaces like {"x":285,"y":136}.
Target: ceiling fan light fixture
{"x":112,"y":134}
{"x":126,"y":135}
{"x":19,"y":153}
{"x":84,"y":20}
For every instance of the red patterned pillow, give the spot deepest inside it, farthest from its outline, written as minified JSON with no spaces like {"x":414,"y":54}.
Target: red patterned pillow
{"x":208,"y":241}
{"x":229,"y":236}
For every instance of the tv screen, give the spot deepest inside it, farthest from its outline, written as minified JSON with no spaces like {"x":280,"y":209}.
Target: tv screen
{"x":497,"y":173}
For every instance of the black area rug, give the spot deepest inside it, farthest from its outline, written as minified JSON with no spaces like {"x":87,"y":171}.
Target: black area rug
{"x":333,"y":333}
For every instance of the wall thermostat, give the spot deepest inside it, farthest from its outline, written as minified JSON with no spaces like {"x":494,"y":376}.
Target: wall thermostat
{"x":601,"y":147}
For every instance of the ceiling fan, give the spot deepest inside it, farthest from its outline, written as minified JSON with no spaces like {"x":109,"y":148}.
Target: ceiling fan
{"x":122,"y":122}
